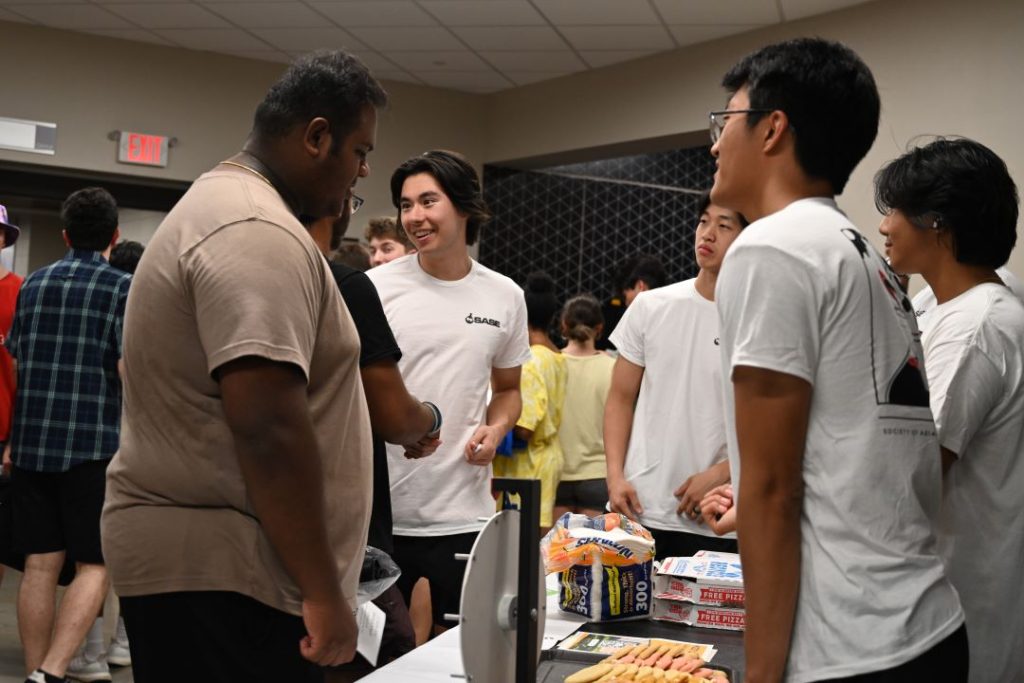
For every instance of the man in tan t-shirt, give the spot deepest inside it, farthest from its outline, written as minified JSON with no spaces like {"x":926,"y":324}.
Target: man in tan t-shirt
{"x":237,"y":506}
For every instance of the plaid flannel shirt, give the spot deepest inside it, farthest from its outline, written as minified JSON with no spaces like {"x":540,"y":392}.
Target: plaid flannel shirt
{"x":66,"y":341}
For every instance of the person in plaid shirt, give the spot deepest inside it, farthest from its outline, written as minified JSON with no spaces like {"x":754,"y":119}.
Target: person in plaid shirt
{"x":66,"y":343}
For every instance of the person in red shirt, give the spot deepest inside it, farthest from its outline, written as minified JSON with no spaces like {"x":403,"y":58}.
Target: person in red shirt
{"x":10,"y":283}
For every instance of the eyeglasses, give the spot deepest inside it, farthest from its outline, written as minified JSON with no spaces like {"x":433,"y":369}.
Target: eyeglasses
{"x":355,"y":202}
{"x":717,"y":120}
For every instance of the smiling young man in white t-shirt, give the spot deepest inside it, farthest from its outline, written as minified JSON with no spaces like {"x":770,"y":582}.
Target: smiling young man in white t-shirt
{"x":664,"y":429}
{"x":831,"y":443}
{"x":951,"y":215}
{"x":462,"y":330}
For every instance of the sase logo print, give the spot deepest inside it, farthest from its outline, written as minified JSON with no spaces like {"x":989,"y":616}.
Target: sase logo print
{"x":475,"y":319}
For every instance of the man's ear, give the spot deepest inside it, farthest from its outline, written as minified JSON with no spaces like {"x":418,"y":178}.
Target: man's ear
{"x":778,"y":124}
{"x":316,"y":137}
{"x":67,"y":242}
{"x":641,"y":286}
{"x":116,"y":237}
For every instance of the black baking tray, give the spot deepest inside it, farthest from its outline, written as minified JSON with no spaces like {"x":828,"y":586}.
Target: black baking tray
{"x":555,"y":664}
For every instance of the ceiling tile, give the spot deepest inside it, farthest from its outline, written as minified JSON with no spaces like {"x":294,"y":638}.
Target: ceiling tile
{"x":618,"y":37}
{"x":562,"y":61}
{"x":168,"y":15}
{"x":491,"y":13}
{"x":527,"y":77}
{"x":718,"y":12}
{"x":7,"y":15}
{"x":511,"y":38}
{"x":374,"y":13}
{"x":262,"y":55}
{"x":598,"y":12}
{"x":400,"y":76}
{"x":798,"y":9}
{"x":307,"y":39}
{"x":408,"y":38}
{"x":439,"y":60}
{"x":269,"y":14}
{"x":136,"y":34}
{"x":598,"y":58}
{"x":467,"y":81}
{"x":75,"y":17}
{"x":216,"y":39}
{"x":691,"y":35}
{"x":9,"y":3}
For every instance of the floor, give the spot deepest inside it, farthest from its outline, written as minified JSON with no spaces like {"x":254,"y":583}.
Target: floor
{"x":11,"y":665}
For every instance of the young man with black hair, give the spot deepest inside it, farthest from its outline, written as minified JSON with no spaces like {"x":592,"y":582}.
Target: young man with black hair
{"x":639,"y":273}
{"x":462,"y":330}
{"x":831,"y":443}
{"x":238,"y":505}
{"x":395,"y":416}
{"x":66,"y":340}
{"x":664,"y":429}
{"x":951,"y":212}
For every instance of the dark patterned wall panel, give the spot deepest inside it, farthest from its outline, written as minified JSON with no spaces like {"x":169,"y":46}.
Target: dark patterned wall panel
{"x":578,"y":229}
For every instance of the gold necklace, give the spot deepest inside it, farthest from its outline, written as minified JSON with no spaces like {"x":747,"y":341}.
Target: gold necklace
{"x":250,"y":169}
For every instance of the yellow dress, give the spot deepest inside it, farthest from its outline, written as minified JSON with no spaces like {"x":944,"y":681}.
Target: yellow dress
{"x":543,"y":390}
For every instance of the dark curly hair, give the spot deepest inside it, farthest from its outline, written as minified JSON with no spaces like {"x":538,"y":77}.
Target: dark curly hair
{"x":828,"y":94}
{"x":126,"y":254}
{"x":89,"y":217}
{"x":328,"y":83}
{"x":457,"y":178}
{"x":541,"y":300}
{"x":955,"y":185}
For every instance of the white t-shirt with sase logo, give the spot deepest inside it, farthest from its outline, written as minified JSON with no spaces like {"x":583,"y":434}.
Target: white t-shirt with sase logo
{"x":802,"y":292}
{"x":678,"y":425}
{"x":452,"y":333}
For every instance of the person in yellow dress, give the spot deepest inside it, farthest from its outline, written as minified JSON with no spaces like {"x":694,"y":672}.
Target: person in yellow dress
{"x":536,"y":452}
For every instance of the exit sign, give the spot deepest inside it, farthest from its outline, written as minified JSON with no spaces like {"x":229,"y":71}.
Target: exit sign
{"x":140,"y":148}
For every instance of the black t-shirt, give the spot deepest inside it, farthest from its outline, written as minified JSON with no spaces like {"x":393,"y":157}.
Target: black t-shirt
{"x":377,"y":343}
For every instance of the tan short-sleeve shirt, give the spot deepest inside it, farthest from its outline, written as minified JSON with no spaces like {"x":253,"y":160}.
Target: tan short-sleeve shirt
{"x":229,"y":273}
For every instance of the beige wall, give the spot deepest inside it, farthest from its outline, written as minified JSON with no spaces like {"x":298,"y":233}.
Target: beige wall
{"x":91,"y":85}
{"x":943,"y":66}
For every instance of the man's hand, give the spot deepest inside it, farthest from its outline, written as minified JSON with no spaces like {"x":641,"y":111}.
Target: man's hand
{"x":8,"y":463}
{"x":331,"y":632}
{"x":718,"y":509}
{"x":424,"y":447}
{"x":483,"y":446}
{"x":697,"y":486}
{"x":623,"y":498}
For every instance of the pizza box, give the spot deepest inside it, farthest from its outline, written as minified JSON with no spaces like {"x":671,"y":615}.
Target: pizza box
{"x":707,"y":580}
{"x":701,"y":616}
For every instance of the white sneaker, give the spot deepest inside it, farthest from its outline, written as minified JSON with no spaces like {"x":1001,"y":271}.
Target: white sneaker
{"x":87,"y":670}
{"x":118,"y":653}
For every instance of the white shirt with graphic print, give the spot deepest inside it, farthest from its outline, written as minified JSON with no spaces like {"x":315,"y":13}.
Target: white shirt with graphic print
{"x":678,"y":425}
{"x":452,"y":333}
{"x":803,"y":293}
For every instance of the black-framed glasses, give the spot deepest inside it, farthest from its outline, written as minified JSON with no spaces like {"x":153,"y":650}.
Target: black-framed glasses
{"x":355,"y":201}
{"x":717,"y":119}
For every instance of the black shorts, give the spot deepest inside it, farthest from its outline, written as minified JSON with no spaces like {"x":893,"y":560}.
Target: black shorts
{"x":54,"y":511}
{"x":433,"y":558}
{"x":584,"y":493}
{"x":947,"y":662}
{"x":214,"y":637}
{"x":683,"y":544}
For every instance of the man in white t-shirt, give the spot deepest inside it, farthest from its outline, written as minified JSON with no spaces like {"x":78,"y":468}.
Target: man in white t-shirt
{"x":924,"y":301}
{"x":462,"y":329}
{"x":951,"y":215}
{"x":831,"y":443}
{"x":668,"y":452}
